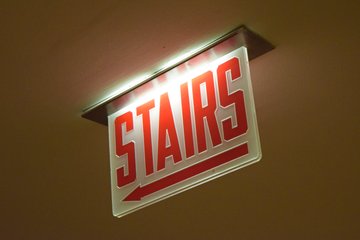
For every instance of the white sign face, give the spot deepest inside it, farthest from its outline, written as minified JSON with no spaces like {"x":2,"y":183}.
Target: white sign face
{"x":198,"y":125}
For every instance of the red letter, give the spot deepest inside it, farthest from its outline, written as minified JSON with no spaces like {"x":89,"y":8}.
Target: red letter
{"x":167,"y":125}
{"x":122,"y":149}
{"x":144,"y":110}
{"x":236,"y":98}
{"x":205,"y":112}
{"x":185,"y":104}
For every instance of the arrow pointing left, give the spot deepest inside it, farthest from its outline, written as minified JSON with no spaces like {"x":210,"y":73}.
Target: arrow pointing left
{"x":182,"y":175}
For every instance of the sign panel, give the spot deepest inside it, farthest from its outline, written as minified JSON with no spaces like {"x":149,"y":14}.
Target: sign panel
{"x":188,"y":126}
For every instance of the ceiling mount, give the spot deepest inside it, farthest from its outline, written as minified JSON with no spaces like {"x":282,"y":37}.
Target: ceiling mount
{"x":242,"y":36}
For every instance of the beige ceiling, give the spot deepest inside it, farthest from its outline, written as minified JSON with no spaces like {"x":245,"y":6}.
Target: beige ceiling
{"x":58,"y":57}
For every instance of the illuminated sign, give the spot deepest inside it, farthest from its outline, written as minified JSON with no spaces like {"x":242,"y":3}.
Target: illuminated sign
{"x":184,"y":127}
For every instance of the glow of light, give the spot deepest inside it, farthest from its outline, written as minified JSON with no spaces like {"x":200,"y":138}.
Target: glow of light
{"x":181,"y":57}
{"x":124,"y":87}
{"x":172,"y":83}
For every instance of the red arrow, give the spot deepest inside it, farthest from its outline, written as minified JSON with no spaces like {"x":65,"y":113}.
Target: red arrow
{"x":217,"y":160}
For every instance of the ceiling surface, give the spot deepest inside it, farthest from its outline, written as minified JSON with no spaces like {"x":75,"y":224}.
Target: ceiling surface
{"x":58,"y":57}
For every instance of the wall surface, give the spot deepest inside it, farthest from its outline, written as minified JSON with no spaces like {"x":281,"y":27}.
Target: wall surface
{"x":58,"y":57}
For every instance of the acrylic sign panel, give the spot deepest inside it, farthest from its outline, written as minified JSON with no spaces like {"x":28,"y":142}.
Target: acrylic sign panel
{"x":194,"y":124}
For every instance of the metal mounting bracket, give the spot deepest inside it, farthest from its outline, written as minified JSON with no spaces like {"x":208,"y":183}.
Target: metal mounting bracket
{"x":241,"y":36}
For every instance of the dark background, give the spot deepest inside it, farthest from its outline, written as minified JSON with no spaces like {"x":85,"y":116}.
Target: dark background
{"x":58,"y":57}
